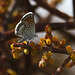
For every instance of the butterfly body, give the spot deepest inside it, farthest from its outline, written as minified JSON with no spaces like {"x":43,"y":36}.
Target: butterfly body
{"x":26,"y":27}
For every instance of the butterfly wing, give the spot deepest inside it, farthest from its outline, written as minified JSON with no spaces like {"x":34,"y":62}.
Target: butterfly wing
{"x":30,"y":24}
{"x":26,"y":27}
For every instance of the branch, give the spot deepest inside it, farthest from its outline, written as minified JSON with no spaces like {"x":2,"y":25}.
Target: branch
{"x":39,"y":27}
{"x":74,"y":9}
{"x":68,"y":35}
{"x":59,"y":70}
{"x":27,"y":6}
{"x":7,"y":35}
{"x":53,"y":10}
{"x":55,"y":26}
{"x":45,"y":48}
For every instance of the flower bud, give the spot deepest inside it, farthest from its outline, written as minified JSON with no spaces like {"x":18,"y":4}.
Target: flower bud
{"x":26,"y":51}
{"x":69,"y":49}
{"x":48,"y":42}
{"x":48,"y":29}
{"x":54,"y":38}
{"x":63,"y":41}
{"x":73,"y":57}
{"x":51,"y":61}
{"x":25,"y":42}
{"x":16,"y":55}
{"x":41,"y":43}
{"x":68,"y":65}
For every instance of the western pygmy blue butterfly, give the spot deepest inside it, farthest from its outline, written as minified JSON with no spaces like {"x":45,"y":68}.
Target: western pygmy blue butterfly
{"x":26,"y":27}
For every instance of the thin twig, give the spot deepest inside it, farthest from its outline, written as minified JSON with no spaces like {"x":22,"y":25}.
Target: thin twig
{"x":7,"y":35}
{"x":45,"y":48}
{"x":68,"y":35}
{"x":53,"y":10}
{"x":55,"y":26}
{"x":59,"y":70}
{"x":74,"y":9}
{"x":39,"y":27}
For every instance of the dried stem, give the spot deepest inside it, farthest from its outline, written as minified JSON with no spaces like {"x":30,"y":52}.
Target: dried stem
{"x":68,"y":35}
{"x":59,"y":70}
{"x":45,"y":48}
{"x":74,"y":9}
{"x":53,"y":10}
{"x":7,"y":35}
{"x":55,"y":26}
{"x":39,"y":27}
{"x":27,"y":6}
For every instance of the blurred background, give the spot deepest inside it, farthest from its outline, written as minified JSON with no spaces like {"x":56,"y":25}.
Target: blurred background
{"x":11,"y":12}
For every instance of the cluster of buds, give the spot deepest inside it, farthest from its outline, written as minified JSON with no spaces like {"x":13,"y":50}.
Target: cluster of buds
{"x":34,"y":48}
{"x":72,"y":56}
{"x":57,"y":43}
{"x":17,"y":50}
{"x":26,"y":47}
{"x":3,"y":8}
{"x":42,"y":42}
{"x":46,"y":58}
{"x":50,"y":41}
{"x":53,"y":39}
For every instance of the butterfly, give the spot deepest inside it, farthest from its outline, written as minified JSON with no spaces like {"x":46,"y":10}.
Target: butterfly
{"x":26,"y":27}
